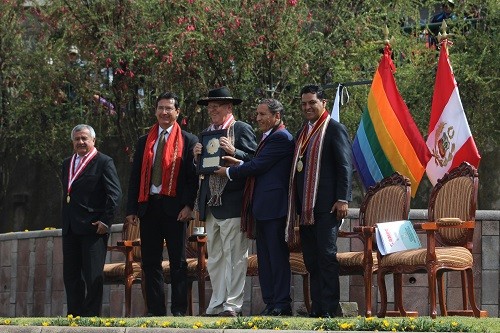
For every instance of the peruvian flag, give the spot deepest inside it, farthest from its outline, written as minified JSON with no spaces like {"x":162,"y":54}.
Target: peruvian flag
{"x":449,"y":137}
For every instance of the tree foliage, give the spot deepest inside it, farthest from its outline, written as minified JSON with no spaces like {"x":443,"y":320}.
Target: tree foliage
{"x":131,"y":51}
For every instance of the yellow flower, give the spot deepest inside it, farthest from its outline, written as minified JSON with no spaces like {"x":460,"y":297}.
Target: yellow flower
{"x":107,"y":324}
{"x":70,"y":317}
{"x":385,"y":323}
{"x":93,"y":319}
{"x":393,"y":330}
{"x":250,"y":324}
{"x":26,"y":230}
{"x":255,"y":328}
{"x":73,"y":324}
{"x":195,"y":327}
{"x":7,"y":321}
{"x":144,"y":325}
{"x":165,"y":324}
{"x":122,"y":322}
{"x":45,"y":323}
{"x":345,"y":326}
{"x":199,"y":324}
{"x":369,"y":319}
{"x":454,"y":323}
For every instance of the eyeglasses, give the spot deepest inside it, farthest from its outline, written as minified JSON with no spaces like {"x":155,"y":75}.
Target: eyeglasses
{"x":165,"y":108}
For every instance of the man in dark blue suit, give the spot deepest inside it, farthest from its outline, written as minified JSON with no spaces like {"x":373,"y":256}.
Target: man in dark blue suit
{"x":90,"y":197}
{"x":321,"y":182}
{"x":265,"y":204}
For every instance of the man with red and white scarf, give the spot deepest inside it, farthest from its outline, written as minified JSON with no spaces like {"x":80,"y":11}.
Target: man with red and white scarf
{"x":162,"y":191}
{"x":219,"y":205}
{"x":320,"y":188}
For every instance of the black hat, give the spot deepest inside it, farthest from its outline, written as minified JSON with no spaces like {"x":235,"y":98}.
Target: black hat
{"x":219,"y":94}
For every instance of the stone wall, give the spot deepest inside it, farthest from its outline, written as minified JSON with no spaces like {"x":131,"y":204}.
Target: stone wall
{"x":31,"y":281}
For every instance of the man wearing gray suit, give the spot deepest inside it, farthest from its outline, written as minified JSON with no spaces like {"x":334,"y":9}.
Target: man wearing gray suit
{"x":219,"y":205}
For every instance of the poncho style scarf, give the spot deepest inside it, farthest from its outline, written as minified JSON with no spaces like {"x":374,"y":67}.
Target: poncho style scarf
{"x":247,"y":219}
{"x":312,"y":142}
{"x":171,"y":162}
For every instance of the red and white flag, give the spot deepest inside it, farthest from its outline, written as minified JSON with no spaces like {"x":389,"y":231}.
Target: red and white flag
{"x":449,"y":137}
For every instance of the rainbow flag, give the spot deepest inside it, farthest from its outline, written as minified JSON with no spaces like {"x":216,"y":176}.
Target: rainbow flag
{"x":387,"y":139}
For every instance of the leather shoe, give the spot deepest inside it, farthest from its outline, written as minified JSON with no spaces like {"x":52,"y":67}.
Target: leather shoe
{"x":314,"y":315}
{"x":267,"y":311}
{"x":178,"y":314}
{"x":229,"y":313}
{"x":282,"y":312}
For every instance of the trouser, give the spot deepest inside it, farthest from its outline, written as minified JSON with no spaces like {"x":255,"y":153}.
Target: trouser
{"x":227,"y":262}
{"x":319,"y":246}
{"x":156,"y":227}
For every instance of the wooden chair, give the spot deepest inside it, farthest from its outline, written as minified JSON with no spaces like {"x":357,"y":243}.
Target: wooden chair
{"x":388,"y":200}
{"x":451,"y":213}
{"x":196,"y":266}
{"x":298,"y":266}
{"x":128,"y":272}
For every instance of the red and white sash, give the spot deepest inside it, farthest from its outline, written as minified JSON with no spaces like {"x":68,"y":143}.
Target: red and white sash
{"x":73,"y":174}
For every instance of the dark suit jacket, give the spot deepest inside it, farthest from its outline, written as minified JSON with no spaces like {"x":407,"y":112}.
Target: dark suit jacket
{"x":94,"y":195}
{"x":271,"y":168}
{"x":232,"y":195}
{"x":187,"y":182}
{"x":335,"y":175}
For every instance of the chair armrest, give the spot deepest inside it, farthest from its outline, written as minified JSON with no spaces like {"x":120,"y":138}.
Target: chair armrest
{"x":433,"y":226}
{"x":129,"y":243}
{"x":202,"y":238}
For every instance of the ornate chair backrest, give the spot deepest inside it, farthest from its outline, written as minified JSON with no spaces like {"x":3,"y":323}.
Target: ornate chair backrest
{"x":388,"y":200}
{"x":132,"y":233}
{"x":455,"y":195}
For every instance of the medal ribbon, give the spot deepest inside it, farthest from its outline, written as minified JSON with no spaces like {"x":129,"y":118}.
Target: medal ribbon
{"x":306,"y":138}
{"x":73,"y":174}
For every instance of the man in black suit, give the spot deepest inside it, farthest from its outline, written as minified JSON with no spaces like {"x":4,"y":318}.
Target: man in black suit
{"x":91,"y":194}
{"x":320,"y":190}
{"x":219,"y":205}
{"x":265,"y":203}
{"x":162,"y":190}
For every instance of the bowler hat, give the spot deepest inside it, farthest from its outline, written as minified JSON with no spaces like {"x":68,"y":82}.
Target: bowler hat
{"x":219,"y":94}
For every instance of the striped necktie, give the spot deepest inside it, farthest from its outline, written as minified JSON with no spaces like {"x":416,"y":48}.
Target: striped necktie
{"x":157,"y":165}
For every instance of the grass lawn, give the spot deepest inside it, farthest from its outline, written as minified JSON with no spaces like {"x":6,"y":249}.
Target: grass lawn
{"x":420,"y":324}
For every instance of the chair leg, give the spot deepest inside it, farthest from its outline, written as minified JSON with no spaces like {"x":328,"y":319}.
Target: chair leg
{"x":465,"y":297}
{"x":442,"y":299}
{"x":190,"y":297}
{"x":383,"y":293}
{"x":368,"y":292}
{"x":128,"y":297}
{"x":398,"y":294}
{"x":431,"y":280}
{"x":472,"y":299}
{"x":307,"y":295}
{"x":143,"y":288}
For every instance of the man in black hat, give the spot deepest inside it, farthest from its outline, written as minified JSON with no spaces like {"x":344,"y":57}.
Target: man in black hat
{"x":219,"y":205}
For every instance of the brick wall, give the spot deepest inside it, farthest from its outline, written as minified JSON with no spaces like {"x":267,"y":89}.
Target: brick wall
{"x":31,"y":281}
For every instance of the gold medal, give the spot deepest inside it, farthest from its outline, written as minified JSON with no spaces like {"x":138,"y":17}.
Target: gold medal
{"x":300,"y":165}
{"x":67,"y":199}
